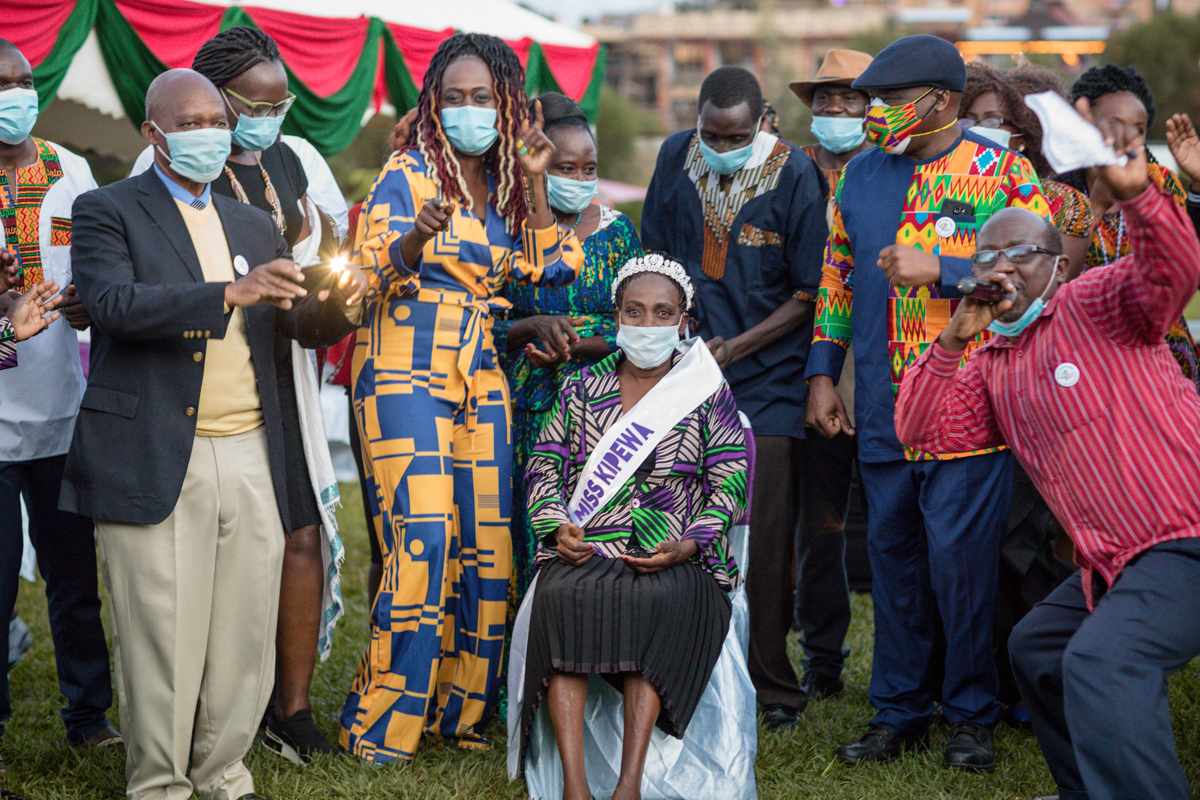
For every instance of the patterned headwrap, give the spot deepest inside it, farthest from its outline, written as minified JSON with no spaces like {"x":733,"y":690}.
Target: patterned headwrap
{"x":655,"y":262}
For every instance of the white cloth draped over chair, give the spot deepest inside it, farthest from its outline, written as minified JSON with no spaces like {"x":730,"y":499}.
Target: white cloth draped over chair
{"x":715,"y":758}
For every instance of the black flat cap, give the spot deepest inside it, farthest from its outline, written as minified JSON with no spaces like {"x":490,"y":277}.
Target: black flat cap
{"x":921,"y":60}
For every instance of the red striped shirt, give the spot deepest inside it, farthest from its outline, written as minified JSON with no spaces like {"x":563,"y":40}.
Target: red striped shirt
{"x":1088,"y":396}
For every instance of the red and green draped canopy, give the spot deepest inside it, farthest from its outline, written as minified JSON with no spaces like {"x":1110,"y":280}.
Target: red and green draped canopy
{"x":338,"y":67}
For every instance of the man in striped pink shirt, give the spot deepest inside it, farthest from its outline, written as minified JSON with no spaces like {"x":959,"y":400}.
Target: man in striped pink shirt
{"x":1082,"y":387}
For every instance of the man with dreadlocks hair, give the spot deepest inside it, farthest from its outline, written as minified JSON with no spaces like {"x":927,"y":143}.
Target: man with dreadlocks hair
{"x":443,"y":229}
{"x":245,"y":66}
{"x":1121,"y":96}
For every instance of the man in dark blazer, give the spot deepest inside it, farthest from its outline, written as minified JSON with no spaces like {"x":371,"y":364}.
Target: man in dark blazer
{"x":178,"y":447}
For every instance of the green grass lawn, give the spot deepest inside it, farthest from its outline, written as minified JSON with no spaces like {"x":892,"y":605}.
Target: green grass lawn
{"x":793,"y":765}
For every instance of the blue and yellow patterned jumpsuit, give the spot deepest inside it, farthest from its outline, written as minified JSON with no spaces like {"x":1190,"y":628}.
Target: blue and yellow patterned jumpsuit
{"x":432,"y":406}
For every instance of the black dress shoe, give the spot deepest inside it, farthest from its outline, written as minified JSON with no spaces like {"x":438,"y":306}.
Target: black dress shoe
{"x":777,"y":716}
{"x":972,"y":747}
{"x":820,"y":686}
{"x":880,"y":745}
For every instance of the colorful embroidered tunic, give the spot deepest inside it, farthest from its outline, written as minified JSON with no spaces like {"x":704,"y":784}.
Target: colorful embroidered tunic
{"x":535,"y":392}
{"x":893,"y":325}
{"x":749,"y":242}
{"x":39,"y":402}
{"x":1110,"y":241}
{"x":432,"y":407}
{"x":695,"y":490}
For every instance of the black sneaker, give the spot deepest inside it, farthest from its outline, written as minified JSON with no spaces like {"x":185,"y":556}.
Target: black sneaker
{"x":880,"y":745}
{"x":297,"y":738}
{"x":820,"y":686}
{"x":972,"y":748}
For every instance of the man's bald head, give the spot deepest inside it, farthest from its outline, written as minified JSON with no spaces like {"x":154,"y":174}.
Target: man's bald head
{"x":180,"y":101}
{"x":1024,"y":224}
{"x":176,"y":88}
{"x":1033,"y":275}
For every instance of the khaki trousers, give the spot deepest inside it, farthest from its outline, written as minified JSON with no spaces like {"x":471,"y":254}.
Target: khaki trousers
{"x":195,"y":600}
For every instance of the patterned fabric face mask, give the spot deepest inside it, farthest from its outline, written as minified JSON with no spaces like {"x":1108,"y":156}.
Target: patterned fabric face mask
{"x":890,"y":127}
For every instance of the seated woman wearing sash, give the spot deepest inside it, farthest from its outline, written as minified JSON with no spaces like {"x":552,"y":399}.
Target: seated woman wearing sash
{"x":632,"y":487}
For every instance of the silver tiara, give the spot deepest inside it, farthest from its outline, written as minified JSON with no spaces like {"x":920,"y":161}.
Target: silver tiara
{"x":655,"y":262}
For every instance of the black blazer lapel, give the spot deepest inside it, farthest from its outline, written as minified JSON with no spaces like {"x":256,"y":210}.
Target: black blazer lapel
{"x":160,"y":205}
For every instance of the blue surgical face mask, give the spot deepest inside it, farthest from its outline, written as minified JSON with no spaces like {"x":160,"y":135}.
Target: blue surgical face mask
{"x":197,"y":155}
{"x":567,"y":195}
{"x":728,"y":162}
{"x":256,"y":133}
{"x":997,"y":135}
{"x":1013,"y":329}
{"x":470,"y":129}
{"x":18,"y":113}
{"x":839,"y":134}
{"x":647,"y":346}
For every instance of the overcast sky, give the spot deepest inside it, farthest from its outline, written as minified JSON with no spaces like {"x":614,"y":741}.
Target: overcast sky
{"x":572,"y":11}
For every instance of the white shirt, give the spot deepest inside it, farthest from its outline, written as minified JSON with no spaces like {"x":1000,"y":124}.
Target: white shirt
{"x":40,"y":397}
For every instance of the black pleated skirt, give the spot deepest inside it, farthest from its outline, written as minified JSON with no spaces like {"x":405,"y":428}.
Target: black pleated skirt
{"x":606,"y":619}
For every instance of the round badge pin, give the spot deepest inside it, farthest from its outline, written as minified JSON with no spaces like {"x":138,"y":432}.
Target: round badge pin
{"x":1066,"y":374}
{"x":240,"y":266}
{"x":944,"y":227}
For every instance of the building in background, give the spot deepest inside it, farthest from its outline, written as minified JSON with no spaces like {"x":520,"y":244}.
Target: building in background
{"x":657,"y":60}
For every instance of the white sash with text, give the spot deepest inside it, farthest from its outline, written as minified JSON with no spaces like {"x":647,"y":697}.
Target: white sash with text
{"x":633,"y":437}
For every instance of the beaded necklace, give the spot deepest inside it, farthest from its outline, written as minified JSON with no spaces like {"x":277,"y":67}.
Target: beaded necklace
{"x":271,"y":195}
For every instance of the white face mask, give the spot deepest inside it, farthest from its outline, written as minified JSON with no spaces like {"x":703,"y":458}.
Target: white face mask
{"x":648,"y":346}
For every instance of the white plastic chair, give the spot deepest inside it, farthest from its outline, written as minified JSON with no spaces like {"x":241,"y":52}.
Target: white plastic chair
{"x":715,"y":758}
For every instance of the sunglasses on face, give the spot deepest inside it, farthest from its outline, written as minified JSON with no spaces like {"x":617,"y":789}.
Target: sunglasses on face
{"x":262,"y":108}
{"x":1021,"y":254}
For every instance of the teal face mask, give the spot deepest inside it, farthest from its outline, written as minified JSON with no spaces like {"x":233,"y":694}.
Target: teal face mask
{"x":18,"y":113}
{"x":1013,"y":329}
{"x":257,"y":133}
{"x":197,"y":155}
{"x":470,"y":129}
{"x":728,"y":162}
{"x":839,"y":134}
{"x":571,"y":196}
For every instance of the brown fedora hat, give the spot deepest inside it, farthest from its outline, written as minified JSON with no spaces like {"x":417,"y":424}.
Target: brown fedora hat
{"x":839,"y":66}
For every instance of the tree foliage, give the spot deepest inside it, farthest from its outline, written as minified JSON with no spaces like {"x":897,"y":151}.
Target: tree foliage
{"x":1166,"y":49}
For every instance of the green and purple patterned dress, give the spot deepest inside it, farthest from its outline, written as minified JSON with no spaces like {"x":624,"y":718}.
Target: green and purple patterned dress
{"x":588,"y":302}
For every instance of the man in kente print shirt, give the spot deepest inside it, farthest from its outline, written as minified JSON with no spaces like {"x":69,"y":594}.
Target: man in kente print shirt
{"x":934,"y":523}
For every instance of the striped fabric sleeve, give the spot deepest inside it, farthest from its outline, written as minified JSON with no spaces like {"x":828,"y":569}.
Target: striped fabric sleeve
{"x":389,"y":212}
{"x":724,"y":475}
{"x":1138,"y":299}
{"x":944,"y":409}
{"x":548,"y":257}
{"x":8,"y":344}
{"x":545,"y":474}
{"x":835,"y":299}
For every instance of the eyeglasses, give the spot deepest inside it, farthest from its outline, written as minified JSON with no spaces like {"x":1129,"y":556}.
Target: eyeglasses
{"x":1021,"y":254}
{"x":988,"y":122}
{"x":263,"y":108}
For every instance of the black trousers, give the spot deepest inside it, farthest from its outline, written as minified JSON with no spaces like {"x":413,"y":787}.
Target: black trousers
{"x":1095,"y":683}
{"x":781,"y":496}
{"x":822,"y":592}
{"x":66,"y":554}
